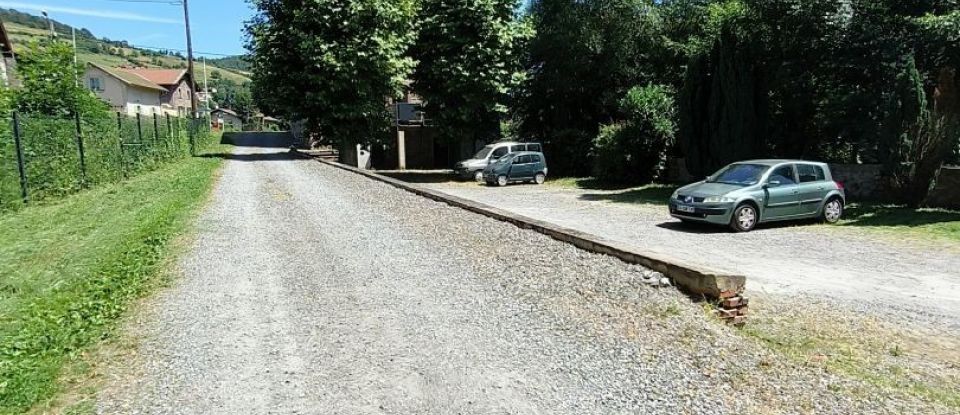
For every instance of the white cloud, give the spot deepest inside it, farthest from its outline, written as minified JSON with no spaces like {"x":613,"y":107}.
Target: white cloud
{"x":106,"y":14}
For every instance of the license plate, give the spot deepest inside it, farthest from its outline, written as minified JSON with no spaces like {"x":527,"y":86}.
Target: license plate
{"x":686,"y":209}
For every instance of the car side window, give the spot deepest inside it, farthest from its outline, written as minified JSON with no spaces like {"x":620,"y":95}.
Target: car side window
{"x":516,"y":148}
{"x":808,"y":173}
{"x":784,"y":175}
{"x":820,"y":175}
{"x":534,"y":147}
{"x":535,"y":158}
{"x":499,"y":152}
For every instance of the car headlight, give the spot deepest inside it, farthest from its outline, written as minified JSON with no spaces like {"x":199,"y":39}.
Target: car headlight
{"x":718,"y":199}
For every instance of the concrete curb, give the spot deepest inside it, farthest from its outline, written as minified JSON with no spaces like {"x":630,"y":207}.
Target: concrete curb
{"x":688,"y":277}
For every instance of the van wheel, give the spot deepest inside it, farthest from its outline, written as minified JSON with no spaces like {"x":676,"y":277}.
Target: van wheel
{"x":478,"y":176}
{"x":539,"y":178}
{"x":744,"y":218}
{"x":501,"y":180}
{"x":832,"y":211}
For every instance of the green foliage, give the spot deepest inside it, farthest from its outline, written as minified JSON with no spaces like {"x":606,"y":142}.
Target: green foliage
{"x":52,"y":159}
{"x":49,"y":84}
{"x":633,"y":151}
{"x":583,"y":59}
{"x":332,"y":63}
{"x":69,"y":270}
{"x":467,"y":53}
{"x":722,"y":106}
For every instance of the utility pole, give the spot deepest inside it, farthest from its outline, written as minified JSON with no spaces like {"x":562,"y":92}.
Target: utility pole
{"x":206,"y":91}
{"x":76,"y":76}
{"x":193,"y":95}
{"x":53,"y":33}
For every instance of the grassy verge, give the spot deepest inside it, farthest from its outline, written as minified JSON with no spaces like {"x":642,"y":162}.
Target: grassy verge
{"x":68,"y":270}
{"x":915,"y":361}
{"x":904,"y":222}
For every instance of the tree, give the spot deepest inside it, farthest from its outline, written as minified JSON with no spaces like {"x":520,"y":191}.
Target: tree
{"x":723,"y":105}
{"x":468,"y":54}
{"x":633,"y":150}
{"x":583,"y":59}
{"x":48,"y":80}
{"x":332,"y":63}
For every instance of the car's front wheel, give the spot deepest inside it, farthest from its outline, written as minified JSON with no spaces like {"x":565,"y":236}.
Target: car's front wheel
{"x":744,"y":218}
{"x":478,"y":176}
{"x":540,"y":178}
{"x":832,"y":211}
{"x":501,"y":180}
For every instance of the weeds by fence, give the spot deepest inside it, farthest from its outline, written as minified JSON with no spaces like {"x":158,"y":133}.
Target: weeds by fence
{"x":43,"y":157}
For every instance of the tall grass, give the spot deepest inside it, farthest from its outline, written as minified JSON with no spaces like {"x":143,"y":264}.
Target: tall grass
{"x":69,"y":268}
{"x":115,"y":147}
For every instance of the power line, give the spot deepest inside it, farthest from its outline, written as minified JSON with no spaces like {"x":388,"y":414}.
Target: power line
{"x":171,"y":2}
{"x":182,"y":50}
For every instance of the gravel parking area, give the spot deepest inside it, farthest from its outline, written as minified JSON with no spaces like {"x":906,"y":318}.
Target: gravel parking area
{"x":314,"y":290}
{"x":792,"y":259}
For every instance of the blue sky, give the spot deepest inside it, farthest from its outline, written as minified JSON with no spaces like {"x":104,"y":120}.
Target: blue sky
{"x":216,"y":25}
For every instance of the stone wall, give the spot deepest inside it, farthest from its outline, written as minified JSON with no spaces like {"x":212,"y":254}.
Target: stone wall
{"x":861,"y":181}
{"x":946,"y":193}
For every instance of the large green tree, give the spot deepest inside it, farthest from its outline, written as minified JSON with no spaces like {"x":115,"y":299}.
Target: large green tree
{"x":332,"y":63}
{"x":468,"y":61}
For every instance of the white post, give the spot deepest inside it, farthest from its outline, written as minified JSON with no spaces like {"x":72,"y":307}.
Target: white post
{"x":206,"y":91}
{"x":401,"y":150}
{"x":76,"y":76}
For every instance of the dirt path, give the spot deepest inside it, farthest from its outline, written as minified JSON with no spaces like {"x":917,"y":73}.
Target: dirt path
{"x":314,"y":290}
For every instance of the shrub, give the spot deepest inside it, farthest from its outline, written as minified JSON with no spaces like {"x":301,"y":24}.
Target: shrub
{"x":633,"y":150}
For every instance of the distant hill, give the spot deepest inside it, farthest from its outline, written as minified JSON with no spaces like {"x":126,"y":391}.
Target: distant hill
{"x":237,"y":63}
{"x":25,"y":27}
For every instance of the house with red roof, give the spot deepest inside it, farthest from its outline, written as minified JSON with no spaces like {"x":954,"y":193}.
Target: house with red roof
{"x":144,"y":91}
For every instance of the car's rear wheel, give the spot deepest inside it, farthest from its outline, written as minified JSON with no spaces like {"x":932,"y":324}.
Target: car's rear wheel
{"x":478,"y":176}
{"x":744,"y":218}
{"x":539,"y":178}
{"x":832,"y":211}
{"x":501,"y":180}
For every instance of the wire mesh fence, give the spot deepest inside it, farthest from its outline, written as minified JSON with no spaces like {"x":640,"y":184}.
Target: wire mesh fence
{"x":44,"y":157}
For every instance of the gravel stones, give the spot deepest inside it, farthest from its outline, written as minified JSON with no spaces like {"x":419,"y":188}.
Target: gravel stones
{"x":314,"y":290}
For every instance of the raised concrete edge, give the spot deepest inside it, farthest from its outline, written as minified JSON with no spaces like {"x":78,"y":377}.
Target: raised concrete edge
{"x":691,"y":278}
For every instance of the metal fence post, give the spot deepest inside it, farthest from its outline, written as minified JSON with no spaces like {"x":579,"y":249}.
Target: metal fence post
{"x":120,"y":140}
{"x":20,"y":164}
{"x":156,"y":134}
{"x":192,"y":132}
{"x":83,"y":161}
{"x":139,"y":129}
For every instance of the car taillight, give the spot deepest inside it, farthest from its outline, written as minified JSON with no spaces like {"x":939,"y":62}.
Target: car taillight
{"x":839,"y":185}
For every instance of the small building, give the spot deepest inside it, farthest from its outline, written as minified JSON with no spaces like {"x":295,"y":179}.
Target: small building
{"x":125,"y":92}
{"x":226,"y":120}
{"x":177,"y":85}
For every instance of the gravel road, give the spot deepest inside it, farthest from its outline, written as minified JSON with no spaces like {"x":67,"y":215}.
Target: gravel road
{"x":782,"y":259}
{"x":309,"y":289}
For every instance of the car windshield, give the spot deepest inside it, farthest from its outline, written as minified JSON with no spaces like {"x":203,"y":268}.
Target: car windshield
{"x":482,"y":154}
{"x":739,"y":174}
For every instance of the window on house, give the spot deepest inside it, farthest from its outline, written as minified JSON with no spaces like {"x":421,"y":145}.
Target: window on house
{"x":95,"y":84}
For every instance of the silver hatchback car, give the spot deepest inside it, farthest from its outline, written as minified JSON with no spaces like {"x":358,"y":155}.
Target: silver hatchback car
{"x":747,"y":193}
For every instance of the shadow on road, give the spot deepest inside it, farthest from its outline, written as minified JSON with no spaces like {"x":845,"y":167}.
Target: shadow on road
{"x":272,"y":139}
{"x":284,"y":156}
{"x":707,"y":229}
{"x":422,"y":177}
{"x":891,"y":215}
{"x":651,"y":195}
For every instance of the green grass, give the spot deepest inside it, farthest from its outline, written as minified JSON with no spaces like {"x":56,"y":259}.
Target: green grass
{"x":651,"y":194}
{"x":68,"y":270}
{"x":885,"y":358}
{"x":901,"y":221}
